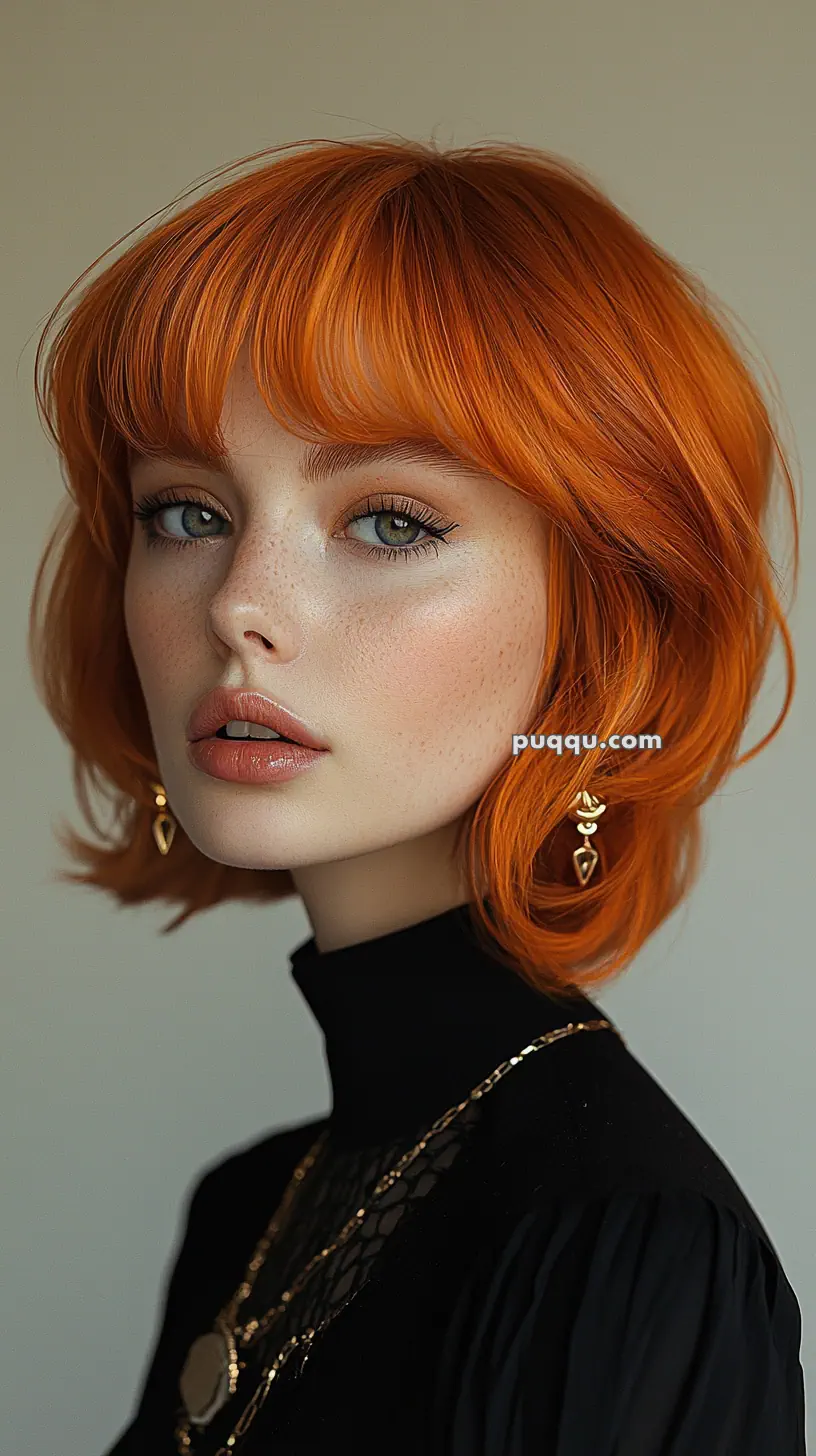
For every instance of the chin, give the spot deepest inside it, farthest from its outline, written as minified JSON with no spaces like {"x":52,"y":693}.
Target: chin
{"x":242,"y":848}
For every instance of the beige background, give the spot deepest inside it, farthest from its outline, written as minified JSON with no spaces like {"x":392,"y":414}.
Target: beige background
{"x":130,"y":1061}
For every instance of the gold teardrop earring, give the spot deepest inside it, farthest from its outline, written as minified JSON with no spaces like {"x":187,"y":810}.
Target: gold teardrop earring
{"x":585,"y":809}
{"x":164,"y":825}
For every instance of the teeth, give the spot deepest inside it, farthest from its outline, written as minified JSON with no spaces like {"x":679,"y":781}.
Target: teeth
{"x":236,"y":729}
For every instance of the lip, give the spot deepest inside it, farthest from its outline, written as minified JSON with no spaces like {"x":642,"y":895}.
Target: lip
{"x":260,"y":761}
{"x":244,"y":705}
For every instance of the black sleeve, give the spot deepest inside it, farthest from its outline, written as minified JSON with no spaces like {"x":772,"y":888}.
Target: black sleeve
{"x":633,"y":1324}
{"x":186,"y":1311}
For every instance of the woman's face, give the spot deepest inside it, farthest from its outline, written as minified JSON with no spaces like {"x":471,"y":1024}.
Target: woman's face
{"x":415,"y":672}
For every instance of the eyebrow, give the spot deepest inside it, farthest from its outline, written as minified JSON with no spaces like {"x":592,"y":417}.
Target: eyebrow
{"x":322,"y":461}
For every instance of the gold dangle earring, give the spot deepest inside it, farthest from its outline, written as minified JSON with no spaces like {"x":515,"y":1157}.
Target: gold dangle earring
{"x":585,"y":809}
{"x":164,"y":825}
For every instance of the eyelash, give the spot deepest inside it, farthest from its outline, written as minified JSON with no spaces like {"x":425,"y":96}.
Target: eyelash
{"x":151,"y":505}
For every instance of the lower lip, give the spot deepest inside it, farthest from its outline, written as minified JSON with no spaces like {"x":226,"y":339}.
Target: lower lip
{"x":259,"y":761}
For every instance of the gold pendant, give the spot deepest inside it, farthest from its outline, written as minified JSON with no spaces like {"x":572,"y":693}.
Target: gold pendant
{"x":585,"y":859}
{"x":210,"y":1374}
{"x":163,"y":830}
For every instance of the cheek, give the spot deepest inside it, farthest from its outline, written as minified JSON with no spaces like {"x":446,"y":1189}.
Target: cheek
{"x":153,"y":619}
{"x":139,"y":621}
{"x":456,"y":674}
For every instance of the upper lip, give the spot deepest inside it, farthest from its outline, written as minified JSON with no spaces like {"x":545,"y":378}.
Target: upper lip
{"x":224,"y":705}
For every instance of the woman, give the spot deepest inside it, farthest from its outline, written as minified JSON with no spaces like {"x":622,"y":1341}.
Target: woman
{"x":435,"y":461}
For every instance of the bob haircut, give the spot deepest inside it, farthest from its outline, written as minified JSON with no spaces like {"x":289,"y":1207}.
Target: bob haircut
{"x":494,"y":299}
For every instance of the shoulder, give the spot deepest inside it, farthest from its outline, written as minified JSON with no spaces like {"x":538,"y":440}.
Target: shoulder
{"x":236,"y":1194}
{"x":258,"y":1165}
{"x":585,"y":1114}
{"x":619,"y":1292}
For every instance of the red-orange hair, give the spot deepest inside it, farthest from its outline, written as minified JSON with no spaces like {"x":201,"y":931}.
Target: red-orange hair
{"x":491,"y":297}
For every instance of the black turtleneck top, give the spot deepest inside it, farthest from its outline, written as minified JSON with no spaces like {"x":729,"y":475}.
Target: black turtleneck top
{"x":567,"y":1267}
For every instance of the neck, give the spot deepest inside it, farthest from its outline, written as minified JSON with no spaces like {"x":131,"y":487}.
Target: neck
{"x":414,"y":1019}
{"x":358,"y":899}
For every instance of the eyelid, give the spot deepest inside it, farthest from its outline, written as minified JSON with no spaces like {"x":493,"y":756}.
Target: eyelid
{"x":384,"y":501}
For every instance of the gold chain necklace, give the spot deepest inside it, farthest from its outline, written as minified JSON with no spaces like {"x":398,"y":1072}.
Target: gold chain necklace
{"x":210,"y":1375}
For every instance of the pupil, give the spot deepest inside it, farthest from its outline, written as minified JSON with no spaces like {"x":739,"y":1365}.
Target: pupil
{"x":403,"y":528}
